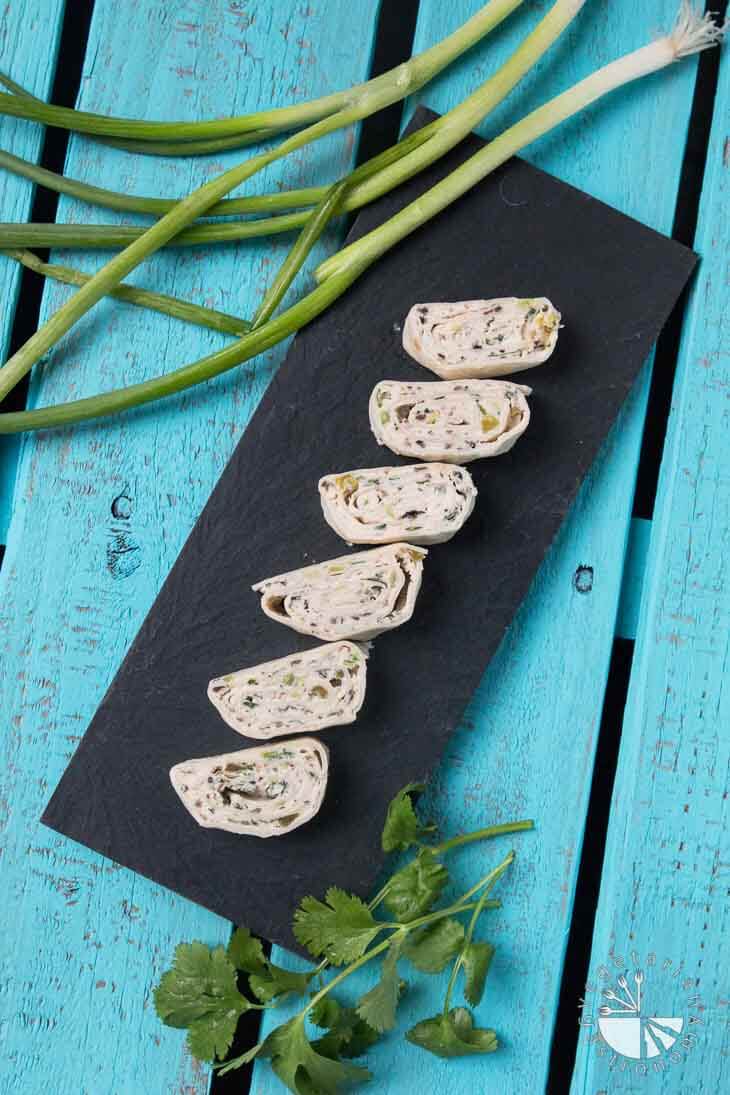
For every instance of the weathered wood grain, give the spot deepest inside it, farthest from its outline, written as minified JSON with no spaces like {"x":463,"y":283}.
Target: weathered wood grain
{"x":664,"y":887}
{"x":21,"y":24}
{"x":527,"y":743}
{"x":100,"y":513}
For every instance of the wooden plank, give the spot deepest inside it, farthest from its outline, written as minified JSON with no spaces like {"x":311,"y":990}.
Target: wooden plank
{"x":664,"y":884}
{"x":527,"y":742}
{"x":22,"y":23}
{"x":100,"y":513}
{"x":633,"y":582}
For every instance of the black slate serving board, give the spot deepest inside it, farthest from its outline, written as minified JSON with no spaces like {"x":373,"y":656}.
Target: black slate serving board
{"x":521,"y":232}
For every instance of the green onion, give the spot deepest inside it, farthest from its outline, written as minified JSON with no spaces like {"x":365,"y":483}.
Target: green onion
{"x":390,"y":86}
{"x":370,"y":181}
{"x":379,"y":93}
{"x":170,"y":226}
{"x":142,"y":298}
{"x":692,"y":33}
{"x":315,"y":226}
{"x":100,"y":236}
{"x":156,"y":207}
{"x":160,"y":148}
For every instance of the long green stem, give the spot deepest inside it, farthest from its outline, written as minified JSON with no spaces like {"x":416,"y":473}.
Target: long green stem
{"x":142,"y":298}
{"x":94,"y":237}
{"x":159,"y":148}
{"x":488,"y":882}
{"x":701,"y":34}
{"x":255,"y":203}
{"x":454,"y":126}
{"x":275,"y":331}
{"x":207,"y":147}
{"x":482,"y":834}
{"x":409,"y":76}
{"x":165,"y":229}
{"x":202,"y":199}
{"x":156,"y":207}
{"x":435,"y":141}
{"x":689,"y":36}
{"x":315,"y":226}
{"x":101,"y":236}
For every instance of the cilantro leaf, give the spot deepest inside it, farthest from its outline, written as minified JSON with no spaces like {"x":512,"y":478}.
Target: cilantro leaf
{"x":212,"y":1036}
{"x":347,"y":1035}
{"x":401,"y":824}
{"x":342,"y":929}
{"x":305,"y":1071}
{"x":452,"y":1035}
{"x":266,"y":980}
{"x":360,"y":1038}
{"x":246,"y":953}
{"x":377,"y":1007}
{"x":476,"y":961}
{"x":275,"y":981}
{"x":326,"y":1012}
{"x":413,"y":890}
{"x":201,"y":982}
{"x":431,"y":949}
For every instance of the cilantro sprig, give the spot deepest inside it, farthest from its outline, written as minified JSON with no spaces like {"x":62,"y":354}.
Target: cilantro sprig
{"x":207,"y":990}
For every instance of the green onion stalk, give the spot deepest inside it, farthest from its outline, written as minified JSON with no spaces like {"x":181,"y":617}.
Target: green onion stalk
{"x":383,"y":174}
{"x":389,"y":87}
{"x":692,"y":33}
{"x":142,"y":298}
{"x":370,"y":97}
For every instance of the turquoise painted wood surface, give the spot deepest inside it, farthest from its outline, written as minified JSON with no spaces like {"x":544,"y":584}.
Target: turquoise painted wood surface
{"x":633,"y":581}
{"x":99,"y":515}
{"x":665,"y":878}
{"x":23,"y":22}
{"x":527,"y":742}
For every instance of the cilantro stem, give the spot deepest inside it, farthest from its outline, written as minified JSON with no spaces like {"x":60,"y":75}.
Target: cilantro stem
{"x":343,"y":974}
{"x":488,"y":882}
{"x":482,"y":834}
{"x":405,"y":929}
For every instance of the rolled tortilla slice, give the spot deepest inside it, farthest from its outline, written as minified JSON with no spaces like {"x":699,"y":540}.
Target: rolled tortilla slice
{"x":353,"y":597}
{"x":265,"y":791}
{"x":482,"y":338}
{"x":423,"y":503}
{"x":302,"y":692}
{"x":450,"y":421}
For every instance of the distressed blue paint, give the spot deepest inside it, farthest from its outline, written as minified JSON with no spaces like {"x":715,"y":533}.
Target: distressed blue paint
{"x":20,"y":27}
{"x":633,"y":580}
{"x":100,"y":513}
{"x":664,"y":885}
{"x":527,"y":742}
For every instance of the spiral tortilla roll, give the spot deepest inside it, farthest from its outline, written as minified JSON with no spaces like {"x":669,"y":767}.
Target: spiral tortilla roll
{"x":423,"y":503}
{"x":352,"y":597}
{"x":300,"y":693}
{"x":482,"y":338}
{"x":264,"y":791}
{"x":450,"y":421}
